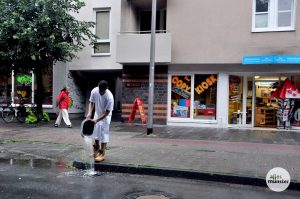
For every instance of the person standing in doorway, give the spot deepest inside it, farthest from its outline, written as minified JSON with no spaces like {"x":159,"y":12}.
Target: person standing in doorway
{"x":62,"y":102}
{"x":102,"y":100}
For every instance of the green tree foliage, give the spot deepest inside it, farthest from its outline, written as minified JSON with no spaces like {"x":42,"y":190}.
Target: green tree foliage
{"x":34,"y":34}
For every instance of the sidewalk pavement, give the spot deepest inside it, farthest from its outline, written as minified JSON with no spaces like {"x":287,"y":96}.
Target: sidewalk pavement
{"x":229,"y":155}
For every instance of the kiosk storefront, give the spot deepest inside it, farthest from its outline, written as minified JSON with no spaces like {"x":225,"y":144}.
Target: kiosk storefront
{"x":255,"y":97}
{"x":231,"y":95}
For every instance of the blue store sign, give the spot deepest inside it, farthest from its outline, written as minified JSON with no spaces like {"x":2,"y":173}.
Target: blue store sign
{"x":272,"y":59}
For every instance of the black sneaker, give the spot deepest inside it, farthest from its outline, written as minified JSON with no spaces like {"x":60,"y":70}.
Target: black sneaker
{"x":69,"y":126}
{"x":56,"y":125}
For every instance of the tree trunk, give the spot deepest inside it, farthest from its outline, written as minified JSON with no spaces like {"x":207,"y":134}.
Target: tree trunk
{"x":39,"y":91}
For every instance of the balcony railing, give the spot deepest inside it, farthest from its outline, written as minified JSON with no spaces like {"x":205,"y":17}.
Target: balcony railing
{"x":134,"y":47}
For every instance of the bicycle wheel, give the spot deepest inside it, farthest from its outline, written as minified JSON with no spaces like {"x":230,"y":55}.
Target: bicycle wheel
{"x":8,"y":115}
{"x":21,"y":117}
{"x":21,"y":113}
{"x":34,"y":109}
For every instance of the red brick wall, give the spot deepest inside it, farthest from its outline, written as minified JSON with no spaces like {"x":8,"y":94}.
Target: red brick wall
{"x":138,"y":78}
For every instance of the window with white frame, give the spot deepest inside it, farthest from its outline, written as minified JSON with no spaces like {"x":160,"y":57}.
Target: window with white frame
{"x":102,"y":46}
{"x":22,"y":86}
{"x":273,"y":15}
{"x":194,"y":96}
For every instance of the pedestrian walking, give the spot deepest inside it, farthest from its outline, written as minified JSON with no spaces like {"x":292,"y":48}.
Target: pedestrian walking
{"x":63,"y":102}
{"x":102,"y":100}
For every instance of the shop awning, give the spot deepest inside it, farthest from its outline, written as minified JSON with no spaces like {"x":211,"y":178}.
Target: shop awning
{"x":271,"y":59}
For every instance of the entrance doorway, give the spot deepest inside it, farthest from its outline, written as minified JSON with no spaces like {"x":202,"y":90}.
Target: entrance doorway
{"x":265,"y":106}
{"x":240,"y":101}
{"x":250,"y":101}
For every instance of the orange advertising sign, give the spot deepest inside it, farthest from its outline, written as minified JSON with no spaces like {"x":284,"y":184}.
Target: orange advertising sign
{"x":180,"y":83}
{"x":205,"y":84}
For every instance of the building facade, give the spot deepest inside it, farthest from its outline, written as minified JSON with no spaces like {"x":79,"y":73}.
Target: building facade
{"x":99,"y":62}
{"x":83,"y":73}
{"x":200,"y":48}
{"x":215,"y":60}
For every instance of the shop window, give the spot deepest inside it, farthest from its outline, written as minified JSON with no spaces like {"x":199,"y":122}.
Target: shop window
{"x":5,"y":89}
{"x":23,"y":83}
{"x":205,"y":97}
{"x":48,"y":86}
{"x":249,"y":100}
{"x":295,"y":118}
{"x":22,"y":88}
{"x":180,"y":96}
{"x":235,"y":98}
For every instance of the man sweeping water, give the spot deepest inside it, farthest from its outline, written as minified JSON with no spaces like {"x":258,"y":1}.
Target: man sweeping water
{"x":103,"y":101}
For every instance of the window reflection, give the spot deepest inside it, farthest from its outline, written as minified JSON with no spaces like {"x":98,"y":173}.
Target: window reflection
{"x":205,"y":97}
{"x":181,"y":96}
{"x":5,"y":89}
{"x":23,"y":88}
{"x":48,"y":86}
{"x":23,"y":83}
{"x":262,"y":5}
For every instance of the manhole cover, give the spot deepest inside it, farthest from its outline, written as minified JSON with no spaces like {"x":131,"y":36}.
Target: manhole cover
{"x":150,"y":195}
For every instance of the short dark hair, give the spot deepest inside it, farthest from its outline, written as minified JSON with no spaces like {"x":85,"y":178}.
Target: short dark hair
{"x":64,"y":88}
{"x":103,"y":85}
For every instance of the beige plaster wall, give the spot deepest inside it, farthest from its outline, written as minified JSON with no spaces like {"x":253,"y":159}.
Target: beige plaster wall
{"x":219,"y":31}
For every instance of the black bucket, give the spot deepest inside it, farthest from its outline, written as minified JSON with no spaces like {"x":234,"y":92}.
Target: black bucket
{"x":87,"y":127}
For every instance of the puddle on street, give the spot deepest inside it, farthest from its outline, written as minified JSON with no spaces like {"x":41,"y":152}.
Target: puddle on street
{"x":48,"y":164}
{"x":64,"y":168}
{"x":33,"y":163}
{"x":81,"y":173}
{"x":85,"y":157}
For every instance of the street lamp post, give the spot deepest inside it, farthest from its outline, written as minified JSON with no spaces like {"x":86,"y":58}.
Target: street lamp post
{"x":151,"y":70}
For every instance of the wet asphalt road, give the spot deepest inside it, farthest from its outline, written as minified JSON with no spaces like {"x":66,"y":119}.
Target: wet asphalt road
{"x":45,"y":179}
{"x":35,"y":169}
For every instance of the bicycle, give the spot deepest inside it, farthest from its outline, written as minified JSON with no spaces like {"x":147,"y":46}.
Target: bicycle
{"x":31,"y":109}
{"x":9,"y":112}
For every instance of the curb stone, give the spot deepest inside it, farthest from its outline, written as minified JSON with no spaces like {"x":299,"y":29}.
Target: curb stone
{"x":186,"y":174}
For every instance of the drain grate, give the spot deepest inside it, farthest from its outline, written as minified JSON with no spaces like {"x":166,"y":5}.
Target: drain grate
{"x":150,"y":195}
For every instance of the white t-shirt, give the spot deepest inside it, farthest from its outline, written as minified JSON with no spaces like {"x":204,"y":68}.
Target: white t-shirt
{"x":102,"y":103}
